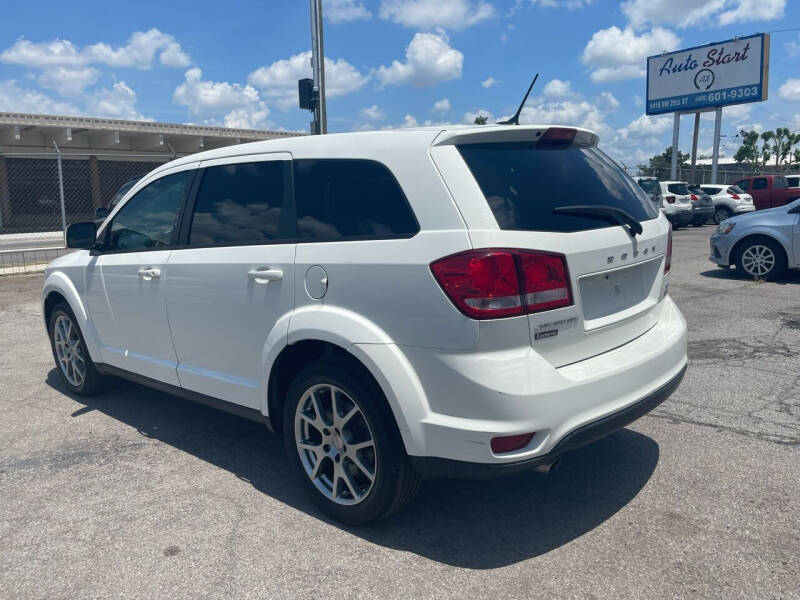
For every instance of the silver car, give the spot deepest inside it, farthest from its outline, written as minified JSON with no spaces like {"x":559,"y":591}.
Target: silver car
{"x":762,"y":244}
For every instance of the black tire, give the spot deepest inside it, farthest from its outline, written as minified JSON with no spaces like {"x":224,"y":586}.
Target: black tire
{"x":778,"y":264}
{"x":721,"y":213}
{"x":92,"y":381}
{"x":395,"y":481}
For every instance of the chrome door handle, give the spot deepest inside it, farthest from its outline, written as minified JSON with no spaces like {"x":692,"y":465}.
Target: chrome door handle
{"x":265,"y":275}
{"x":148,"y":273}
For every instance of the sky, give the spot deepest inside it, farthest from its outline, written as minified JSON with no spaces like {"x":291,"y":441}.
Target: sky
{"x":389,"y":63}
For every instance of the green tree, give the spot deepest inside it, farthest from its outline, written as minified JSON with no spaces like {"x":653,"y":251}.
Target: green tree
{"x":749,"y":151}
{"x":664,"y":160}
{"x":481,"y":120}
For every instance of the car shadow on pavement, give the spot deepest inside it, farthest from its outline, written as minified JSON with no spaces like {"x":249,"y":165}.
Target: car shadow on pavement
{"x":469,"y":524}
{"x":792,"y":276}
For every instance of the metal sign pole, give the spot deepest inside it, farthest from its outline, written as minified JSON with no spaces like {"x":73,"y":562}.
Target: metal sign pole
{"x":61,"y":193}
{"x":715,"y":155}
{"x":318,"y":68}
{"x":676,"y":128}
{"x":694,"y":147}
{"x":315,"y":124}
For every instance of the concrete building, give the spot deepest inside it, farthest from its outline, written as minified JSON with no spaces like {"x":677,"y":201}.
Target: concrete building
{"x":97,"y":157}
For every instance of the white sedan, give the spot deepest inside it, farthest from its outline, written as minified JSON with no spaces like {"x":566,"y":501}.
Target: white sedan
{"x":729,"y":200}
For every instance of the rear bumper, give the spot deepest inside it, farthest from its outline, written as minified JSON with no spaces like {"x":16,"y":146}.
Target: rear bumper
{"x":743,"y":208}
{"x":586,"y":434}
{"x":472,"y":397}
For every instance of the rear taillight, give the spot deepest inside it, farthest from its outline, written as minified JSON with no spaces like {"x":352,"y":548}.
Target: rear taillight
{"x":735,"y":196}
{"x":556,"y":137}
{"x":694,"y":198}
{"x":668,"y":257}
{"x":670,"y":199}
{"x":509,"y":443}
{"x":499,"y":282}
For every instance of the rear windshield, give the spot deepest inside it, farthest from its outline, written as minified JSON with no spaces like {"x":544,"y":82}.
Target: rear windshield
{"x":523,"y":185}
{"x":679,"y":188}
{"x":650,"y":186}
{"x":735,"y":189}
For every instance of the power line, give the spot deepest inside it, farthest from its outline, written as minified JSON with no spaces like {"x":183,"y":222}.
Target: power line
{"x":784,"y":30}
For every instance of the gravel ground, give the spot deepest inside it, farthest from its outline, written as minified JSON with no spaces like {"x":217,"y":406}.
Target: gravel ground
{"x":138,"y":494}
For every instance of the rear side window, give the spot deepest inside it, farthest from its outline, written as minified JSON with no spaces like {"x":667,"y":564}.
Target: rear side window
{"x":523,"y":185}
{"x":735,"y":189}
{"x":793,"y":181}
{"x":779,"y":183}
{"x":760,"y":183}
{"x":342,"y":199}
{"x":240,"y":204}
{"x":650,"y":186}
{"x":681,"y":189}
{"x":713,"y":191}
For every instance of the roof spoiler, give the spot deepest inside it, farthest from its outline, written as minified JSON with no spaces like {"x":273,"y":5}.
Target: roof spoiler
{"x":543,"y":136}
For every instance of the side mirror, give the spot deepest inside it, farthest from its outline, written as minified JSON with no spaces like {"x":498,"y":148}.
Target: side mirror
{"x":82,"y":235}
{"x":102,"y":212}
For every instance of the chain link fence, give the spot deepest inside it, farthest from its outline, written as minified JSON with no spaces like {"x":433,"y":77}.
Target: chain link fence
{"x":41,"y":194}
{"x":725,"y":174}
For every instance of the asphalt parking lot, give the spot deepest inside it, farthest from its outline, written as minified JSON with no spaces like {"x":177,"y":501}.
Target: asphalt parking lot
{"x":138,"y":494}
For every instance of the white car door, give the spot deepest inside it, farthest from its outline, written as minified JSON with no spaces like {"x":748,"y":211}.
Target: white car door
{"x":230,"y":288}
{"x":136,"y":243}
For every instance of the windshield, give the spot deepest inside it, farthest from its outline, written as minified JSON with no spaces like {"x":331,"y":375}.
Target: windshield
{"x":681,"y":189}
{"x":650,"y":186}
{"x":523,"y":185}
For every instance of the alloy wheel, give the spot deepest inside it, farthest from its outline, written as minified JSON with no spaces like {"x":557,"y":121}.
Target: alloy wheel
{"x":758,"y":260}
{"x":720,"y":215}
{"x":69,"y":350}
{"x":335,"y":444}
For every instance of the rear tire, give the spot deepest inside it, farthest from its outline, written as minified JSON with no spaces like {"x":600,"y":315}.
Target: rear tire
{"x":73,"y":363}
{"x":761,"y":258}
{"x":721,"y":213}
{"x":343,"y":446}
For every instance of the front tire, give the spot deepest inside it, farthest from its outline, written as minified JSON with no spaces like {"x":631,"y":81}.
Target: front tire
{"x":342,"y":445}
{"x":73,"y":363}
{"x":761,"y":258}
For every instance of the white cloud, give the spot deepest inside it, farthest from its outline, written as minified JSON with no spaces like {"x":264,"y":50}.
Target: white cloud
{"x":686,"y":13}
{"x":565,"y":112}
{"x":638,"y":101}
{"x":490,"y":82}
{"x":793,"y":48}
{"x":68,"y":81}
{"x":557,"y":88}
{"x":117,"y":102}
{"x":615,"y":54}
{"x":469,"y":117}
{"x":568,"y":4}
{"x":345,"y":11}
{"x":139,"y":52}
{"x":279,"y":80}
{"x":790,"y":90}
{"x":242,"y":104}
{"x":753,"y":10}
{"x":409,"y":121}
{"x":645,"y":126}
{"x":16,"y":99}
{"x":373,"y":113}
{"x":607,"y":101}
{"x":425,"y":14}
{"x":442,"y":106}
{"x":429,"y":60}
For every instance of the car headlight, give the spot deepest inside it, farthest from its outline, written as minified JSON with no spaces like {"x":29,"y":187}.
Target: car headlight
{"x":725,"y":227}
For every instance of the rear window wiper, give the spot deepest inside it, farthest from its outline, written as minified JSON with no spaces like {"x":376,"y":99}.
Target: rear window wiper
{"x":610,"y":214}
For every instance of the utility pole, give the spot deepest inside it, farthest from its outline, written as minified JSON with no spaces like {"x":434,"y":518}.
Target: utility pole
{"x":320,"y":123}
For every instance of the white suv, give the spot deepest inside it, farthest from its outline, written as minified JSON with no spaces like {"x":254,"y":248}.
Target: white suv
{"x":677,"y":202}
{"x":458,"y":302}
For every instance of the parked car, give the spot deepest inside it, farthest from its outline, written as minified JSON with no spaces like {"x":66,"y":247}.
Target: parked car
{"x":102,"y":212}
{"x":652,"y":188}
{"x":447,"y":301}
{"x":793,"y":181}
{"x":762,"y":244}
{"x":702,"y":206}
{"x":677,"y":202}
{"x":728,"y":200}
{"x":768,"y":191}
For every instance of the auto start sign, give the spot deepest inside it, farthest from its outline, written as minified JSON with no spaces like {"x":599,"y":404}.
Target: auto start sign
{"x":705,"y":77}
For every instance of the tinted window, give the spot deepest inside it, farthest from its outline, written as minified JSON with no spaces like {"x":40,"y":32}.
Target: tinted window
{"x":681,"y":189}
{"x":240,"y":203}
{"x":793,"y":181}
{"x":760,"y":183}
{"x":779,"y":183}
{"x":711,"y":190}
{"x":735,"y":189}
{"x":650,"y":186}
{"x":744,"y":184}
{"x":349,"y":199}
{"x":148,"y":220}
{"x":523,"y":185}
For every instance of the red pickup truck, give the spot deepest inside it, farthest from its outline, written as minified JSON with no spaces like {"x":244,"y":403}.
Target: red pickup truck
{"x":769,"y":190}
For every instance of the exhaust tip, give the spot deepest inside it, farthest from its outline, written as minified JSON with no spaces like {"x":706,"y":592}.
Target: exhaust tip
{"x":549,"y":467}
